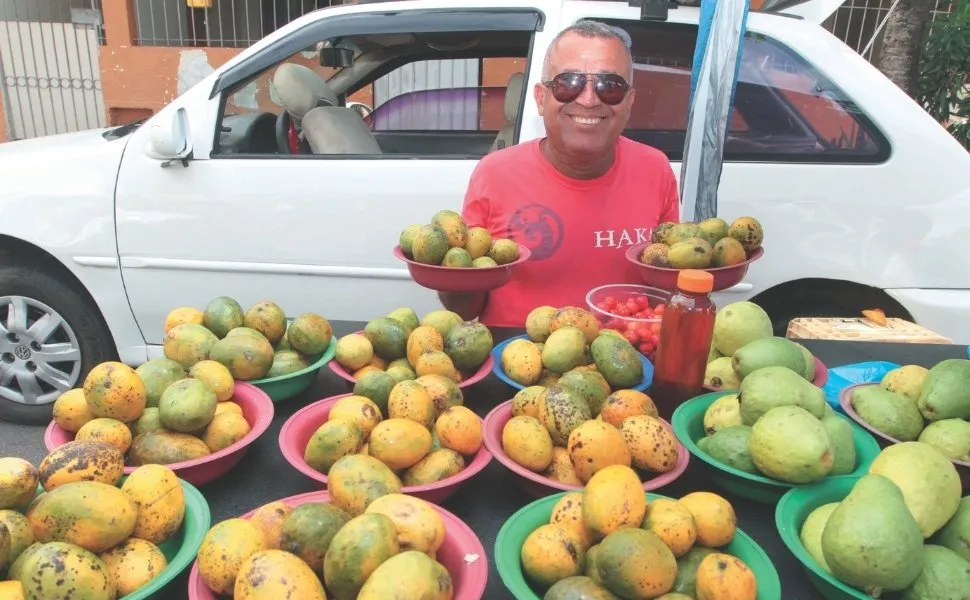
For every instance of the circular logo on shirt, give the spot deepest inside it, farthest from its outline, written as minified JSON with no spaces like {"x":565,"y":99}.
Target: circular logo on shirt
{"x":539,"y":228}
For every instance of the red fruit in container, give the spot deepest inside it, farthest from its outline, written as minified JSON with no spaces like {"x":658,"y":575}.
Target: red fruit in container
{"x":622,"y":311}
{"x":643,"y":332}
{"x":645,"y":347}
{"x":609,"y":302}
{"x":642,"y":301}
{"x":659,"y":309}
{"x":631,"y":336}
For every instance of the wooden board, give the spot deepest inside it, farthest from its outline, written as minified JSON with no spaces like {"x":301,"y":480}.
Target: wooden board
{"x":862,"y":330}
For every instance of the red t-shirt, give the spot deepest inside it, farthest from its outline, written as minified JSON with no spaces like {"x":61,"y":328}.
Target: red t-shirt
{"x":577,"y":230}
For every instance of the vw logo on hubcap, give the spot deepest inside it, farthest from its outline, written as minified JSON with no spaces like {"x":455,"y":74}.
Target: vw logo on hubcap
{"x":22,"y":352}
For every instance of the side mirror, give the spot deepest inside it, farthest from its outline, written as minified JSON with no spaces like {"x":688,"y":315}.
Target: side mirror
{"x":168,"y":140}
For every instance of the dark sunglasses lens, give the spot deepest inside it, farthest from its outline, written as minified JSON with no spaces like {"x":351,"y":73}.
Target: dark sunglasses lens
{"x":611,"y":89}
{"x":566,"y":87}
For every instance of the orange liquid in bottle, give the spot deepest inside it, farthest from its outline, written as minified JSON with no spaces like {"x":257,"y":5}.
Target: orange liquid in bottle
{"x":685,"y":342}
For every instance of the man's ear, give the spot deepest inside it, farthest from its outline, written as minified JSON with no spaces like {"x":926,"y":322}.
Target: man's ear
{"x":538,"y":92}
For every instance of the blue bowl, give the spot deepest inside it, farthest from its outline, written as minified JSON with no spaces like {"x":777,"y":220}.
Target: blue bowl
{"x":497,"y":367}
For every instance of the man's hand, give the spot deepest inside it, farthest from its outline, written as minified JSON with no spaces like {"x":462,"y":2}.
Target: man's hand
{"x":468,"y":306}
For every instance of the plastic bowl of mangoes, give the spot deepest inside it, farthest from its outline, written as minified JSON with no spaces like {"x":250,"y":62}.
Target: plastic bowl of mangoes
{"x":902,"y":408}
{"x":197,"y":458}
{"x":448,"y":256}
{"x":611,"y":540}
{"x":96,"y":531}
{"x":783,"y":435}
{"x":341,"y":543}
{"x":892,"y":533}
{"x":724,"y":250}
{"x":416,"y":449}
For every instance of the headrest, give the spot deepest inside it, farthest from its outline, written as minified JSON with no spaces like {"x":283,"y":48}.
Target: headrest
{"x":300,"y":89}
{"x":513,"y":96}
{"x":338,"y":130}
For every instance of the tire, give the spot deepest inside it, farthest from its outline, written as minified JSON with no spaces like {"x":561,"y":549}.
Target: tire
{"x":41,"y":289}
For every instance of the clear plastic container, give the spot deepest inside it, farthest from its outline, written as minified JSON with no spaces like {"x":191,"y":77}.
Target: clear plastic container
{"x":685,"y":342}
{"x":634,"y":310}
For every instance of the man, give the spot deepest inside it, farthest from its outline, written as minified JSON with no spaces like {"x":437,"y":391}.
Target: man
{"x":579,"y":197}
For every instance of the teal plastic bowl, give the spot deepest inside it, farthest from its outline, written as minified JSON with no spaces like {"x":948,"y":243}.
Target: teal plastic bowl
{"x":181,"y":548}
{"x":790,"y":514}
{"x":284,"y":387}
{"x":688,"y":422}
{"x":512,"y":535}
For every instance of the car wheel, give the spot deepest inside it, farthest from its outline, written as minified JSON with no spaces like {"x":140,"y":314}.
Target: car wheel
{"x":51,"y":335}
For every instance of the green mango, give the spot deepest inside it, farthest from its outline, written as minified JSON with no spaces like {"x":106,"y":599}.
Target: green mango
{"x":871,"y":540}
{"x":887,"y":412}
{"x":767,"y":352}
{"x":789,"y":444}
{"x":946,"y":391}
{"x":774,"y":386}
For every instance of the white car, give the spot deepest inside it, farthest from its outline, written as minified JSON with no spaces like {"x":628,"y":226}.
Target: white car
{"x":865,"y":200}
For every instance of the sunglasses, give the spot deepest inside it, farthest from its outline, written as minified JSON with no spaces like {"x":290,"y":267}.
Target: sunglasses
{"x":610,"y":88}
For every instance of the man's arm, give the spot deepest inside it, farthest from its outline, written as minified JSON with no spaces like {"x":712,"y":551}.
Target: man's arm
{"x":474,"y":213}
{"x":671,"y":199}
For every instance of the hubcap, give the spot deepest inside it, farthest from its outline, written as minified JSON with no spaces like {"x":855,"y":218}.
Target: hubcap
{"x":40,"y":357}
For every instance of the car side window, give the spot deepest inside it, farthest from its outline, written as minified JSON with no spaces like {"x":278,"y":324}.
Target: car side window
{"x":404,"y":95}
{"x":785,"y":110}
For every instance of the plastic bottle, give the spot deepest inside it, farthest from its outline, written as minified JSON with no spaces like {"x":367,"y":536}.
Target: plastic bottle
{"x":685,"y":342}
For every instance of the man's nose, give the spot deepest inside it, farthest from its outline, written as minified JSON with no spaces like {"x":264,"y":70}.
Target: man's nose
{"x":588,"y":98}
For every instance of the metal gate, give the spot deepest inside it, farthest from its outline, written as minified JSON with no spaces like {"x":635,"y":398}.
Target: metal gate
{"x":50,"y":78}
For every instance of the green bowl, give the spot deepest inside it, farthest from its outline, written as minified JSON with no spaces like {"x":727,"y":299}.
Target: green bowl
{"x":181,"y":547}
{"x":284,"y":387}
{"x":688,"y":422}
{"x":512,"y":535}
{"x":791,"y":512}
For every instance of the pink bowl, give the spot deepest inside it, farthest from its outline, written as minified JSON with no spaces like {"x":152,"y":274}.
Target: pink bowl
{"x":258,"y":410}
{"x":455,"y":279}
{"x":298,"y":429}
{"x":821,"y":376}
{"x":461,"y":553}
{"x":845,"y":401}
{"x":477,"y":376}
{"x":537,"y":485}
{"x":666,"y":278}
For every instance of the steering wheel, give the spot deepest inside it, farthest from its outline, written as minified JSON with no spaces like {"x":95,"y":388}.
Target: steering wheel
{"x":283,"y":125}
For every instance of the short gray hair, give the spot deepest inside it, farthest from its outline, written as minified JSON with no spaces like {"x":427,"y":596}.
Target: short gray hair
{"x":589,"y":28}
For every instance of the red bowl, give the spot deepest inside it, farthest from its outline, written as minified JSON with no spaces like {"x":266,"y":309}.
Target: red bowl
{"x":477,"y":376}
{"x":821,"y":376}
{"x":258,"y":410}
{"x":298,"y":429}
{"x":845,"y":401}
{"x":454,"y":279}
{"x":666,"y":279}
{"x":461,"y":553}
{"x":537,"y":485}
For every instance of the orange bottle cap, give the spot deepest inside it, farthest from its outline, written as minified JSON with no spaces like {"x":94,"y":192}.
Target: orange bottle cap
{"x":694,"y":281}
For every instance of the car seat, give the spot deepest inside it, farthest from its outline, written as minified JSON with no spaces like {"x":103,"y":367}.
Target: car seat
{"x":299,"y":89}
{"x":338,"y":130}
{"x":513,"y":99}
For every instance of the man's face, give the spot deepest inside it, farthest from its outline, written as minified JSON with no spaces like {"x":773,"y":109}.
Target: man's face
{"x":586,"y":126}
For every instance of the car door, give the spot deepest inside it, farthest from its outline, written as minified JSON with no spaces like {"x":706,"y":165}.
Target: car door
{"x":312,"y":232}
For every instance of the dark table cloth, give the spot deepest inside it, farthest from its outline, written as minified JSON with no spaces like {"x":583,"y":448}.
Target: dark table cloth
{"x":487,"y":500}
